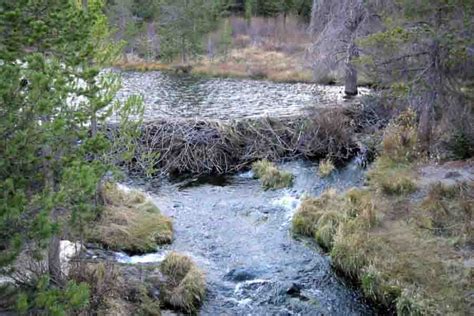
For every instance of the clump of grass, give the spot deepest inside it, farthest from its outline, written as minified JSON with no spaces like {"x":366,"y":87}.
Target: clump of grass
{"x":392,"y":172}
{"x":130,"y":222}
{"x":185,"y":286}
{"x":391,"y":177}
{"x":326,"y":167}
{"x":270,"y":176}
{"x":322,"y":217}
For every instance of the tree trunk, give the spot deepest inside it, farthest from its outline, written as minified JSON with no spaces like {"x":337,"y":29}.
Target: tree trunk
{"x":425,"y":128}
{"x":350,"y":85}
{"x":54,"y":261}
{"x":184,"y":58}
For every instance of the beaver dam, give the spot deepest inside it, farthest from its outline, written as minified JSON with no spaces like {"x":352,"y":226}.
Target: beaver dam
{"x":206,"y":138}
{"x":236,"y":231}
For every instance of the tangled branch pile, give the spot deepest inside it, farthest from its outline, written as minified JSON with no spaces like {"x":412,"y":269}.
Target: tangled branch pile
{"x":209,"y":146}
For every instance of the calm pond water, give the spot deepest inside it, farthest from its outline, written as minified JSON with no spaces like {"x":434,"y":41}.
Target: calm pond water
{"x":172,"y":95}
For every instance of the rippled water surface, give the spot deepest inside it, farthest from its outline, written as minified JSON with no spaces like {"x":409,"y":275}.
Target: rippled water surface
{"x":167,"y":94}
{"x":239,"y":234}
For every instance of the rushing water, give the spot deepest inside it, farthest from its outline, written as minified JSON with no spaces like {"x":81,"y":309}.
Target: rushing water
{"x":168,"y":95}
{"x":239,"y":234}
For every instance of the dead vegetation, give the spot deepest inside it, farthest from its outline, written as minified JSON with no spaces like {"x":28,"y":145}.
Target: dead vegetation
{"x":270,"y":176}
{"x":257,"y":63}
{"x":270,"y":49}
{"x":326,"y":167}
{"x":116,"y":289}
{"x":130,"y":222}
{"x":141,"y":65}
{"x":447,"y":211}
{"x":397,"y":262}
{"x":408,"y":253}
{"x":184,"y":287}
{"x":203,"y":146}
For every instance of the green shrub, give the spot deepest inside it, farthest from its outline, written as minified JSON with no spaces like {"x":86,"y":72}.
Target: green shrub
{"x":50,"y":300}
{"x":270,"y":176}
{"x":461,"y":145}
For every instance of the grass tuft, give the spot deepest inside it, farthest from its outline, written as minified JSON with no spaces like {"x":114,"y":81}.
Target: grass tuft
{"x":326,"y":167}
{"x":130,"y":222}
{"x":270,"y":176}
{"x":185,"y":286}
{"x":391,"y":177}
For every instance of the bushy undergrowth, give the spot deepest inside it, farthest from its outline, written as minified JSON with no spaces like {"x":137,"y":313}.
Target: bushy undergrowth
{"x":184,"y":287}
{"x":270,"y":176}
{"x":104,"y":281}
{"x":44,"y":299}
{"x":116,"y":291}
{"x":130,"y":222}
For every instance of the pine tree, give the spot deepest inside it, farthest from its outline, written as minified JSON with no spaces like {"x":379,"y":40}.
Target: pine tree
{"x":53,"y":102}
{"x":424,"y":56}
{"x":183,"y":24}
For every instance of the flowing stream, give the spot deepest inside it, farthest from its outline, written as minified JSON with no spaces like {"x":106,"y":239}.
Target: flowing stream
{"x":238,"y":233}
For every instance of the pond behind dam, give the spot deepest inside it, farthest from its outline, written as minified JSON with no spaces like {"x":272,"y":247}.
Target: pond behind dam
{"x":170,"y":95}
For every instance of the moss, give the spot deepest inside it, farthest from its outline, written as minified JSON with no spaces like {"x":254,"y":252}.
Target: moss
{"x":326,"y":167}
{"x":130,"y":222}
{"x":185,"y":285}
{"x":270,"y":176}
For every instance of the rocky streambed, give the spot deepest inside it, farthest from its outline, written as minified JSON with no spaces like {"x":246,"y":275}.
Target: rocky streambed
{"x":239,"y":235}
